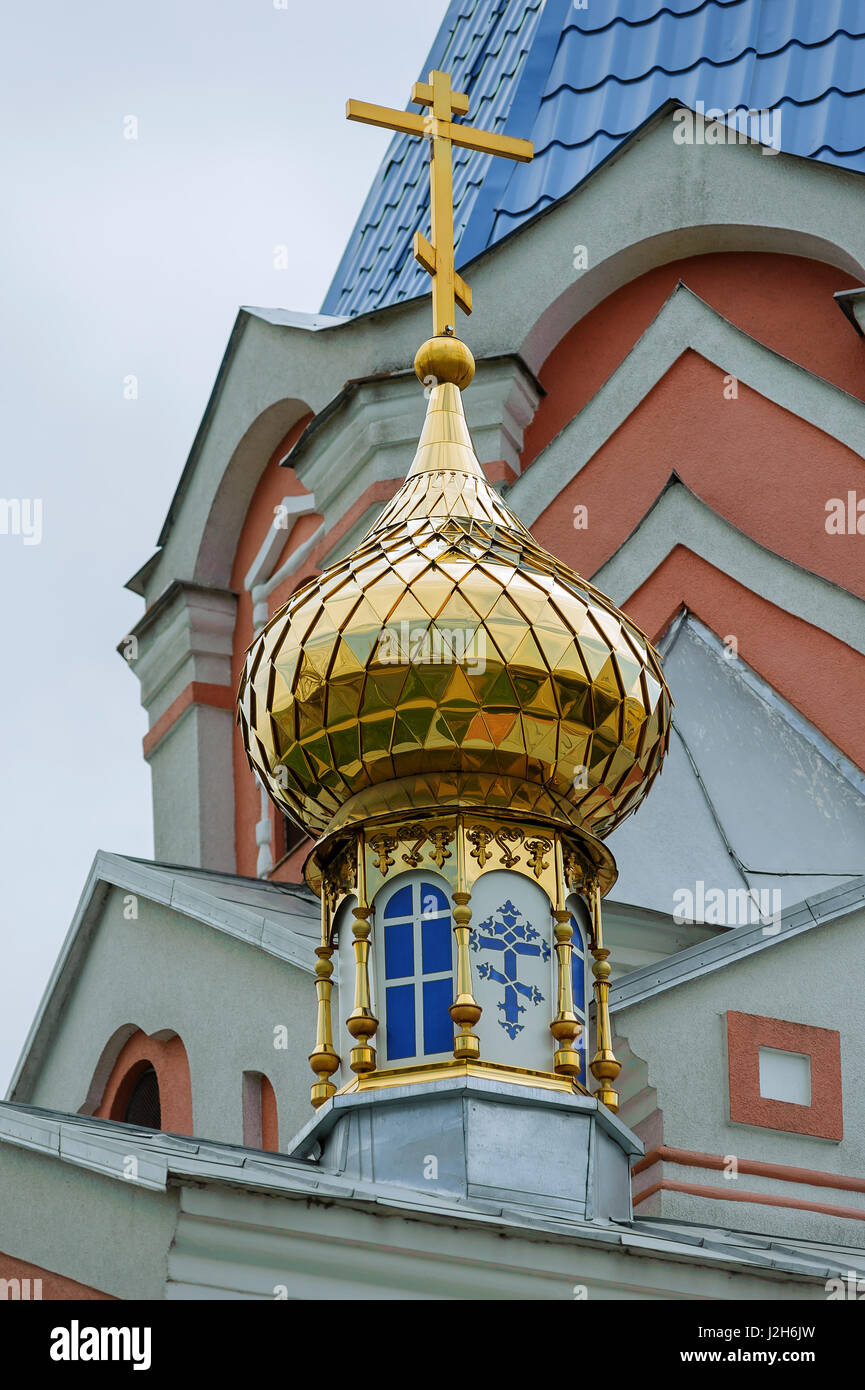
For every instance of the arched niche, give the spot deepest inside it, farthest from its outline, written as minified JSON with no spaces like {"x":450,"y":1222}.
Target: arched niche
{"x":125,"y":1059}
{"x":229,"y":506}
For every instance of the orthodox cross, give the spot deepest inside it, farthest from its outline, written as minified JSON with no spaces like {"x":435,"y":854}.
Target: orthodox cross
{"x":437,"y":259}
{"x":512,"y":941}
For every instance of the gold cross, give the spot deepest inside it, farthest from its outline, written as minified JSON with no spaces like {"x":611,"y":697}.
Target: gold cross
{"x":448,"y":288}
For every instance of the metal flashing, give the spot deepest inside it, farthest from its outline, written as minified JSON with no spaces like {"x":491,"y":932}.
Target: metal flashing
{"x":166,"y":1160}
{"x":734,"y":945}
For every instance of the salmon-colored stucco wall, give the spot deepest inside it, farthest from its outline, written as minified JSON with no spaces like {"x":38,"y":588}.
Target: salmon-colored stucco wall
{"x":275,"y":483}
{"x":806,"y":665}
{"x":269,"y":1117}
{"x":765,"y":470}
{"x":768,"y":472}
{"x":783,"y":301}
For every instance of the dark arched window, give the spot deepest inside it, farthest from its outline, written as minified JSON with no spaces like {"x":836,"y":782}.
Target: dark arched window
{"x":143,"y":1107}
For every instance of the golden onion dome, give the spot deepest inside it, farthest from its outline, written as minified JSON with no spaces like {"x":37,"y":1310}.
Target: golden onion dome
{"x":451,"y":662}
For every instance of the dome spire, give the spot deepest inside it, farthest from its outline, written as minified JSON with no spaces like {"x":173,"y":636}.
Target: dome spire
{"x":445,"y":441}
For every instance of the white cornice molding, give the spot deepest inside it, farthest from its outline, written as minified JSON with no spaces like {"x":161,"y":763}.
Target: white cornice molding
{"x":371,"y":436}
{"x":190,"y":638}
{"x":685,"y":200}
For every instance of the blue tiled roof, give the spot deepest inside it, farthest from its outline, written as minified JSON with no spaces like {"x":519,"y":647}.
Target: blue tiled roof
{"x":578,"y":82}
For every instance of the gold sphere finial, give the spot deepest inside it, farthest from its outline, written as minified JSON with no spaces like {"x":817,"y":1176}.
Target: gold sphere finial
{"x":444,"y":359}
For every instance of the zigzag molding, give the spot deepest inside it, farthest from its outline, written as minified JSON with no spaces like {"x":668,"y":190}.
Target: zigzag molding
{"x":685,"y":321}
{"x":679,"y":517}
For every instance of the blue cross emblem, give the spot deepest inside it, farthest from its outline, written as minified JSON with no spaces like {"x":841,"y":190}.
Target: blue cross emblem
{"x":503,"y":934}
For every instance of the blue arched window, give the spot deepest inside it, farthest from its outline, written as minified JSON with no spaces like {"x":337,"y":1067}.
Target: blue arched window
{"x":417,"y":941}
{"x":580,"y":975}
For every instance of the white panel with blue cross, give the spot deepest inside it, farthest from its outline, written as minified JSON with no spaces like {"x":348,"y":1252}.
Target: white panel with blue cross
{"x":513,"y":970}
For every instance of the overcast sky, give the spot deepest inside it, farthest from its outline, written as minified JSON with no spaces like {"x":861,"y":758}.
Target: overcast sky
{"x":129,"y":257}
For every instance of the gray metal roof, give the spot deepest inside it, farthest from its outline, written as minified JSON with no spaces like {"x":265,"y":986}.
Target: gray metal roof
{"x":292,"y":318}
{"x":104,"y":1146}
{"x":293,"y":904}
{"x":734,"y":945}
{"x":279,"y":918}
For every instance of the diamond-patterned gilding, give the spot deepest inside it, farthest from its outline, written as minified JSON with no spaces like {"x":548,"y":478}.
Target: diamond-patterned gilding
{"x":451,"y":661}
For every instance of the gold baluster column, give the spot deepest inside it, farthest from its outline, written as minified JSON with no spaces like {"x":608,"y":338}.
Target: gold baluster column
{"x":362,"y":1022}
{"x":465,"y":1010}
{"x":605,"y":1065}
{"x":565,"y":1027}
{"x":324,"y":1059}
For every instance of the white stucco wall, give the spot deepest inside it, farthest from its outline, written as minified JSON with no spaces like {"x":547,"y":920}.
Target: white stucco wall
{"x":166,"y":971}
{"x":110,"y":1235}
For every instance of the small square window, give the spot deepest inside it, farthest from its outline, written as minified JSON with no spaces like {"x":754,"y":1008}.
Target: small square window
{"x":785,"y":1076}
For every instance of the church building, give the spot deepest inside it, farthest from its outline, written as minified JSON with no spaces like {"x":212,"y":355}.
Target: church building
{"x":504,"y":679}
